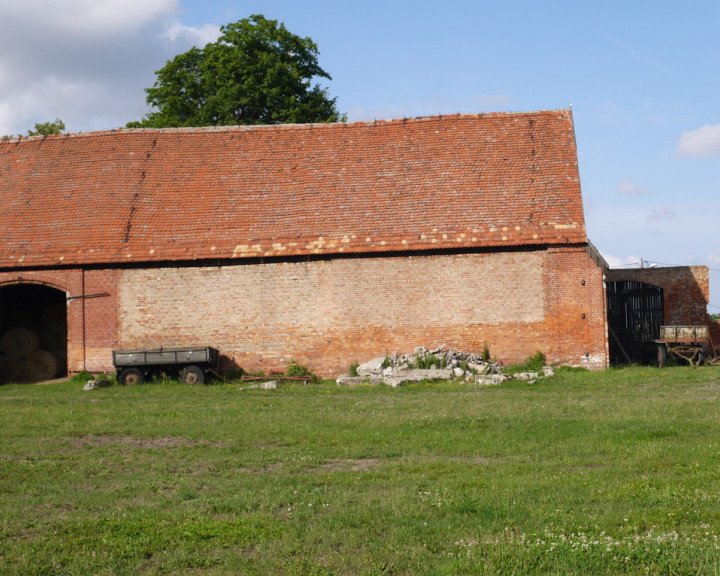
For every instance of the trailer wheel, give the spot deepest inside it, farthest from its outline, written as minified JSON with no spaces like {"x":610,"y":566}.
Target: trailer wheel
{"x":131,"y":377}
{"x":701,"y":357}
{"x":661,"y":356}
{"x":192,"y":375}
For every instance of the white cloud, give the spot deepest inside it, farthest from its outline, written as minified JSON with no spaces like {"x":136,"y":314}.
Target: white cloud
{"x":196,"y":36}
{"x":85,"y":61}
{"x":84,"y":18}
{"x":616,"y":262}
{"x":713,"y":259}
{"x":629,"y":188}
{"x":704,"y":141}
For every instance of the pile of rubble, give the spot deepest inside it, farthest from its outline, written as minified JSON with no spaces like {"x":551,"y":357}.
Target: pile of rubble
{"x":95,"y":384}
{"x":437,"y":364}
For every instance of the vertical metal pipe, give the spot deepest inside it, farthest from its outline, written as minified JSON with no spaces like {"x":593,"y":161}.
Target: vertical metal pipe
{"x":82,"y":309}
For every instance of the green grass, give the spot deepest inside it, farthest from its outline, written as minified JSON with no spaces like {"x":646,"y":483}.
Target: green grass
{"x":587,"y":473}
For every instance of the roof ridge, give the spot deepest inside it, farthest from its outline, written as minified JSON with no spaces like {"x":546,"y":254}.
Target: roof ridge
{"x":263,"y":127}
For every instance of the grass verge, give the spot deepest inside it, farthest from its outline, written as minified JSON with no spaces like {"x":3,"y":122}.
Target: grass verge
{"x":586,"y":473}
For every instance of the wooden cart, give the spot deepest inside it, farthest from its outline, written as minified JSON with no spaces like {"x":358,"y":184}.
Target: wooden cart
{"x":690,"y":343}
{"x":190,"y":364}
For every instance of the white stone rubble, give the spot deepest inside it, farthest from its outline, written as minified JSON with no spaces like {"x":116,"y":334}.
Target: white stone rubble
{"x":94,"y":384}
{"x":436,"y":364}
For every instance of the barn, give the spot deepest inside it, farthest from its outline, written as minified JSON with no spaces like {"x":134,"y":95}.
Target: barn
{"x":325,"y":244}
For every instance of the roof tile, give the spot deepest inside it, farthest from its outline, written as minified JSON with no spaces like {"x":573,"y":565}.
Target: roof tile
{"x":487,"y":180}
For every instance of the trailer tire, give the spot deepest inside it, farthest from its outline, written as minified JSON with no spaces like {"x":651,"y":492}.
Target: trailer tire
{"x":131,"y":377}
{"x":661,"y":355}
{"x":701,"y":357}
{"x":192,"y":375}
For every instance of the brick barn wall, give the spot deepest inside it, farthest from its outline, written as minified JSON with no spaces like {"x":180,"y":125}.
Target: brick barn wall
{"x":101,"y":318}
{"x":91,"y":322}
{"x":327,"y":314}
{"x":686,"y":291}
{"x":577,"y":317}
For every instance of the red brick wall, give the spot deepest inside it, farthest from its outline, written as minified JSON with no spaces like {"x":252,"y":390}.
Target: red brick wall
{"x":686,"y":291}
{"x":101,"y":318}
{"x":577,"y":318}
{"x":328,"y":314}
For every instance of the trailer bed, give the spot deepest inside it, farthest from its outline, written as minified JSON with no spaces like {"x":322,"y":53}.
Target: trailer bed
{"x":165,"y":356}
{"x":190,"y":364}
{"x":684,"y":334}
{"x":690,"y":343}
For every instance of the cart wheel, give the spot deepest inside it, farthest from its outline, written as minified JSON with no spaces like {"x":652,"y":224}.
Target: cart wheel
{"x":131,"y":376}
{"x":192,"y":375}
{"x":661,"y":356}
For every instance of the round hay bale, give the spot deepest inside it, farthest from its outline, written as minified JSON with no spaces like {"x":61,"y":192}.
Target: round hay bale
{"x":47,"y":337}
{"x":11,"y":370}
{"x":60,"y":355}
{"x":55,"y":317}
{"x":19,"y":342}
{"x":40,"y":365}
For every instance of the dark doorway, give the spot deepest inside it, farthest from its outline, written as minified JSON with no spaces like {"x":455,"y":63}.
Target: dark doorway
{"x":635,"y":314}
{"x":33,"y":333}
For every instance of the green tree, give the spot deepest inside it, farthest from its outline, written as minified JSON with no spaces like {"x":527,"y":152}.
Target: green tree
{"x":43,"y":129}
{"x":47,"y":128}
{"x":256,"y":73}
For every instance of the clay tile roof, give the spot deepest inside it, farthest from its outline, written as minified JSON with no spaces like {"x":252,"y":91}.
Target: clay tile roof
{"x":464,"y":181}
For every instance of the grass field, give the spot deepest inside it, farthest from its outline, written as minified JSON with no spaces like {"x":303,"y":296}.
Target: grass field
{"x":587,"y":473}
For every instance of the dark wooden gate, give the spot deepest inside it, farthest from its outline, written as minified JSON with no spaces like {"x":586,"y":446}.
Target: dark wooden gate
{"x":635,"y":314}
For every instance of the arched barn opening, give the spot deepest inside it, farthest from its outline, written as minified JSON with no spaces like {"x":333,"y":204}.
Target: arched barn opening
{"x":635,"y":314}
{"x":33,"y":333}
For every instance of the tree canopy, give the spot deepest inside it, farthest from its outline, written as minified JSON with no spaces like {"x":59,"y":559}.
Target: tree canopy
{"x":257,"y":72}
{"x":45,"y":129}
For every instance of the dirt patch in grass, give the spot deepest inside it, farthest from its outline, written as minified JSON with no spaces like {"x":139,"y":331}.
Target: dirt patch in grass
{"x":474,"y":459}
{"x":708,"y":392}
{"x":47,"y":382}
{"x":458,"y":459}
{"x":350,"y":464}
{"x":332,"y":465}
{"x":98,"y":440}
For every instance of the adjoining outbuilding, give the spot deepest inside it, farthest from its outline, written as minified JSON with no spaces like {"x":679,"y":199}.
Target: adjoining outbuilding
{"x":641,"y":300}
{"x":325,"y":244}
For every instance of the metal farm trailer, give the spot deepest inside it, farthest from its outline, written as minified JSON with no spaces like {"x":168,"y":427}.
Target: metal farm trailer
{"x":190,"y":364}
{"x":691,"y":343}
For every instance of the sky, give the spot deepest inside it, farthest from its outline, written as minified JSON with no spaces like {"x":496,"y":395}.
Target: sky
{"x":641,"y":78}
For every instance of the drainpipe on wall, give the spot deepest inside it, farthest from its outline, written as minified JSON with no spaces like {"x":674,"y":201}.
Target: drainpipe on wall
{"x":82,"y":297}
{"x":82,"y":310}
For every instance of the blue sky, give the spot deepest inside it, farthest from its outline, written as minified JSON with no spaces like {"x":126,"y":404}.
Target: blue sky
{"x":641,"y":77}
